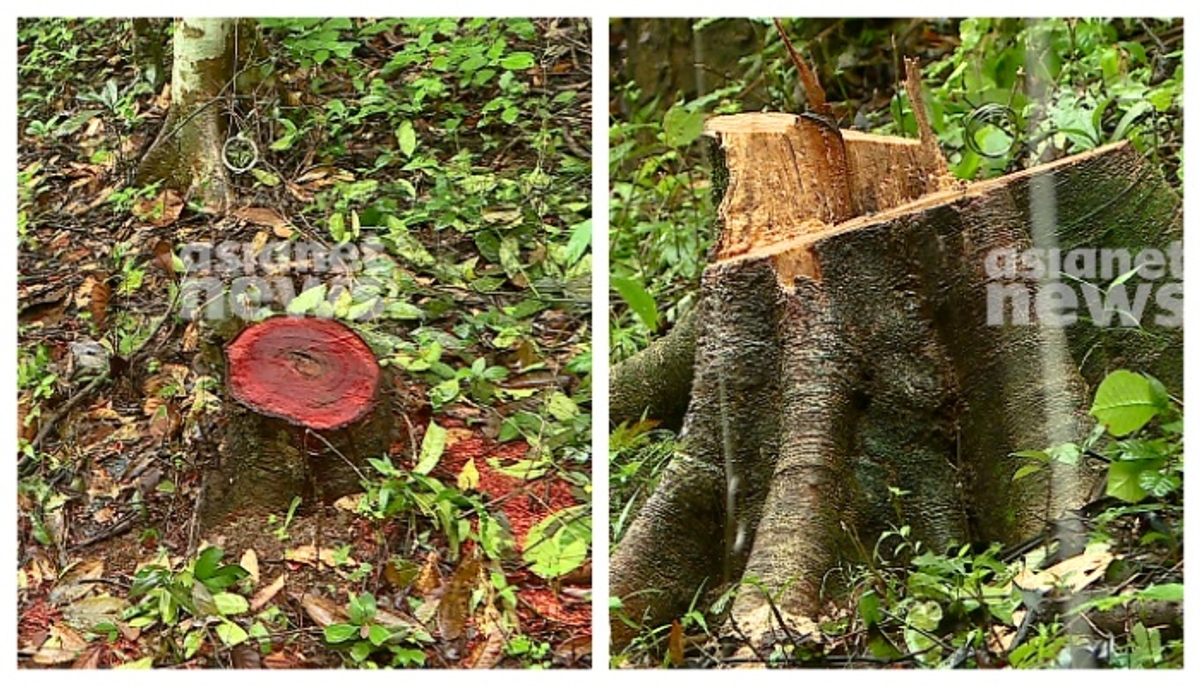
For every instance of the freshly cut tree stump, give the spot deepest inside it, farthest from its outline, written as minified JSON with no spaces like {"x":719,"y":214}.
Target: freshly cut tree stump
{"x":842,"y":347}
{"x":310,"y":409}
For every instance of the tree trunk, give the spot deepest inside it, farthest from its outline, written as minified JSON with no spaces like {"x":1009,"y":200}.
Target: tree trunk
{"x":843,"y":347}
{"x":187,"y":155}
{"x":311,"y":406}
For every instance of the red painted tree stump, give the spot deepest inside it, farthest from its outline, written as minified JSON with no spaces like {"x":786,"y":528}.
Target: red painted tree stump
{"x":309,"y":411}
{"x":314,"y":373}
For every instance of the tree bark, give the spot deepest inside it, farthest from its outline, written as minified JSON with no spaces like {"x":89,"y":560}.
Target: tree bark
{"x":843,"y":348}
{"x":311,"y":406}
{"x":187,"y":155}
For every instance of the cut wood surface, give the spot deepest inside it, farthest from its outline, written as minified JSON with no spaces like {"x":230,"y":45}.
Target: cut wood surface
{"x":315,"y":373}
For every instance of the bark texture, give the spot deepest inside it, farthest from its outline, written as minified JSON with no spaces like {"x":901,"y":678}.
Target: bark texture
{"x":843,"y":347}
{"x":187,"y":155}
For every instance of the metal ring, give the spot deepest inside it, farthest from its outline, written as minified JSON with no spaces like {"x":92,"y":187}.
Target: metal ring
{"x":246,"y":142}
{"x":998,"y":116}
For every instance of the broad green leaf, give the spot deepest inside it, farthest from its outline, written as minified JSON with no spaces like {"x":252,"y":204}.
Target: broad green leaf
{"x":307,"y":301}
{"x":517,"y":61}
{"x":206,"y":563}
{"x":559,"y":543}
{"x":406,"y":136}
{"x":144,"y":663}
{"x":1124,"y":479}
{"x":340,"y":633}
{"x":562,"y":408}
{"x":1124,"y":402}
{"x":432,"y":447}
{"x":639,"y":300}
{"x":378,"y":635}
{"x":230,"y":604}
{"x":681,"y":127}
{"x":231,"y":634}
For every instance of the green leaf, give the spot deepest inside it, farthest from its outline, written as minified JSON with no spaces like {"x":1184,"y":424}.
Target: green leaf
{"x":1124,"y":402}
{"x":432,"y":447}
{"x":1125,"y":477}
{"x":231,"y":634}
{"x":362,"y":609}
{"x":378,"y":635}
{"x":361,"y":651}
{"x":925,"y":616}
{"x":562,"y":408}
{"x":581,"y":239}
{"x":1171,"y":593}
{"x":206,"y":563}
{"x":337,"y":227}
{"x":192,"y":643}
{"x":1026,"y":471}
{"x":144,"y":663}
{"x":265,"y":177}
{"x":1157,"y":484}
{"x":340,"y":633}
{"x":1066,"y":453}
{"x":307,"y":301}
{"x":559,"y":543}
{"x":406,"y":136}
{"x":230,"y":604}
{"x":868,"y":608}
{"x":517,"y":61}
{"x":639,"y":300}
{"x":403,"y":310}
{"x":681,"y":127}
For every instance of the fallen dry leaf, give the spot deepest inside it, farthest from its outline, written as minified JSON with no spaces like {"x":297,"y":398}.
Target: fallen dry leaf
{"x":430,"y":578}
{"x":307,"y":554}
{"x":264,"y":216}
{"x":63,"y":645}
{"x":249,"y":562}
{"x":488,"y":653}
{"x":456,"y":599}
{"x":1075,"y":573}
{"x":266,"y":593}
{"x":349,"y":503}
{"x":74,"y":585}
{"x":323,"y":611}
{"x":164,"y":257}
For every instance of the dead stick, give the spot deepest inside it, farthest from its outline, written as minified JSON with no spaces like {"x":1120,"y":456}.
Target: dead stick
{"x":812,"y":87}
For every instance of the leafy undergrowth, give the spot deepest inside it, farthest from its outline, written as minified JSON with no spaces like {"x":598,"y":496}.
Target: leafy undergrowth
{"x":1101,"y":587}
{"x":460,"y":146}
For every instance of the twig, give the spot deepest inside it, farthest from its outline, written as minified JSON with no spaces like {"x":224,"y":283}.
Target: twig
{"x":116,"y":530}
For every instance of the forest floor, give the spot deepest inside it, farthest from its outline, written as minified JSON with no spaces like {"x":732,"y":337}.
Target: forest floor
{"x":465,"y":142}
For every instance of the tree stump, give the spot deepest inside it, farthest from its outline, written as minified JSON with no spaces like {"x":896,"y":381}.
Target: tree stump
{"x":843,"y":348}
{"x":310,"y":409}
